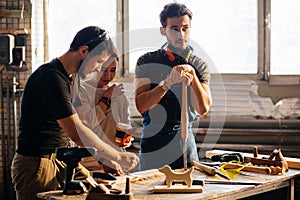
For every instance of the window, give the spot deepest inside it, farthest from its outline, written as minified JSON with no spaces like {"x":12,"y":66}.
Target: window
{"x":141,"y":23}
{"x":285,"y":37}
{"x":67,"y":17}
{"x":225,"y":30}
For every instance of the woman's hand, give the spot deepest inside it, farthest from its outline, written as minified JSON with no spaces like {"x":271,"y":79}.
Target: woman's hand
{"x":126,"y":141}
{"x":114,"y":90}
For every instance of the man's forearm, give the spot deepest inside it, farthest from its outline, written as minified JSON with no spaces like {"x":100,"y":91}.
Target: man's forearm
{"x":201,"y":93}
{"x":84,"y":136}
{"x":106,"y":151}
{"x":146,"y":100}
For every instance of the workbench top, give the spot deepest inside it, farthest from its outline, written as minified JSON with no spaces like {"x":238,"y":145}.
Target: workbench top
{"x":142,"y":186}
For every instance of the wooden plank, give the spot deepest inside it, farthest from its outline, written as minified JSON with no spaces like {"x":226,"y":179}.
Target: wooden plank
{"x":143,"y":189}
{"x":58,"y":195}
{"x":177,"y":189}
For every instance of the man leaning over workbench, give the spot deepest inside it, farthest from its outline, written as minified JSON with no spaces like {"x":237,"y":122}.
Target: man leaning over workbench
{"x":49,"y":120}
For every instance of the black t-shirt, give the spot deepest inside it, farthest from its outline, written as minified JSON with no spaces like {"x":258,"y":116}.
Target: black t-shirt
{"x":46,"y":98}
{"x":156,"y":66}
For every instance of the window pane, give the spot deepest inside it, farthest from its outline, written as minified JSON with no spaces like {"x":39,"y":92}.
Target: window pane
{"x":225,"y":29}
{"x":140,"y":19}
{"x":285,"y":37}
{"x":67,"y":17}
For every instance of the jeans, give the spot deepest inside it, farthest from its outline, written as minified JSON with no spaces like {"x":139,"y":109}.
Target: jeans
{"x":166,"y":148}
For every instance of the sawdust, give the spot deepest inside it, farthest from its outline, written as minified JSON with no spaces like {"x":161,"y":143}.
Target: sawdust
{"x":145,"y":178}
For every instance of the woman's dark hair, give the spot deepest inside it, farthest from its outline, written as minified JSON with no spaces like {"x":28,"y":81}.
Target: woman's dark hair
{"x":173,"y":10}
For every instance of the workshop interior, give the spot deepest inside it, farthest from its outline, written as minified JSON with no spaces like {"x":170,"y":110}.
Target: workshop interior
{"x":256,"y":104}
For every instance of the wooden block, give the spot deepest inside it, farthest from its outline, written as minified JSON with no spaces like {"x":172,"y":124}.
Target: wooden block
{"x":177,"y":189}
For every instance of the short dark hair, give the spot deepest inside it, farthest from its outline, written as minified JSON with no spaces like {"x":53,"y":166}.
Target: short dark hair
{"x":90,"y":36}
{"x":95,"y":38}
{"x":173,"y":10}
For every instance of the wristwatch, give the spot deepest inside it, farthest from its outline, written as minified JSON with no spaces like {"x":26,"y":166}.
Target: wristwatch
{"x":162,"y":84}
{"x":106,"y":100}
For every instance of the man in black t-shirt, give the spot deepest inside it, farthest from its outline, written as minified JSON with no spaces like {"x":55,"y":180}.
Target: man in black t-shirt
{"x":49,"y":120}
{"x":159,"y":78}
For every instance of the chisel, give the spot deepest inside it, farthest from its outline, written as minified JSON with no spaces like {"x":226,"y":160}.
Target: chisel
{"x":208,"y":170}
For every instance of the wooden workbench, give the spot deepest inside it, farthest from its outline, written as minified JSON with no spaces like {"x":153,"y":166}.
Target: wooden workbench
{"x":143,"y":182}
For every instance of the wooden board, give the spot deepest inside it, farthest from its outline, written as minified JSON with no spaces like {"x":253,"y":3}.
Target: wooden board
{"x":177,"y":189}
{"x":143,"y":189}
{"x":293,"y":163}
{"x":58,"y":195}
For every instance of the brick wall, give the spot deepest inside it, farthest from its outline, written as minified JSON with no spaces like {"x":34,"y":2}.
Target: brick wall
{"x":19,"y":18}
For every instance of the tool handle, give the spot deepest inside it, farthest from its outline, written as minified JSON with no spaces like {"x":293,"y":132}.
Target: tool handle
{"x":260,"y":170}
{"x":207,"y":169}
{"x":184,"y":123}
{"x":184,"y":114}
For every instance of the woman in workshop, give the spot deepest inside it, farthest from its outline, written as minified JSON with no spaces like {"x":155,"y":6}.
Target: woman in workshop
{"x":105,"y":106}
{"x":49,"y":120}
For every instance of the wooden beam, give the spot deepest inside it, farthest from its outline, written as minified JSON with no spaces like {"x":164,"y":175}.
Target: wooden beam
{"x":13,"y":13}
{"x":14,"y":31}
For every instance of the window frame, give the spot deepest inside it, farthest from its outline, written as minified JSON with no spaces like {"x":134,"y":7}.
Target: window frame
{"x":264,"y":45}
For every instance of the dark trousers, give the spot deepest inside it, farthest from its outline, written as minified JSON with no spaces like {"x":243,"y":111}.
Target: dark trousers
{"x":166,"y":149}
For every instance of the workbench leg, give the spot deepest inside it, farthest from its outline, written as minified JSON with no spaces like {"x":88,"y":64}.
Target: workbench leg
{"x":292,"y":189}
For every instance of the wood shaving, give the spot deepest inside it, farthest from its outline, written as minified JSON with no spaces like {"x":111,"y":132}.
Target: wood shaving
{"x":145,"y":178}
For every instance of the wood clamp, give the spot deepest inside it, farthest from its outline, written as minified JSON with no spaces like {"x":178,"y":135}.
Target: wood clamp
{"x":276,"y":162}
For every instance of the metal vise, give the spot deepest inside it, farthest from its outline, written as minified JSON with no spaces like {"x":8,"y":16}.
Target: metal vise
{"x":72,"y":156}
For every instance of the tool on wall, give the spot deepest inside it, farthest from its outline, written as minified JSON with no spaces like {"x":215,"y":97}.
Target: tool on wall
{"x":12,"y":62}
{"x":12,"y":57}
